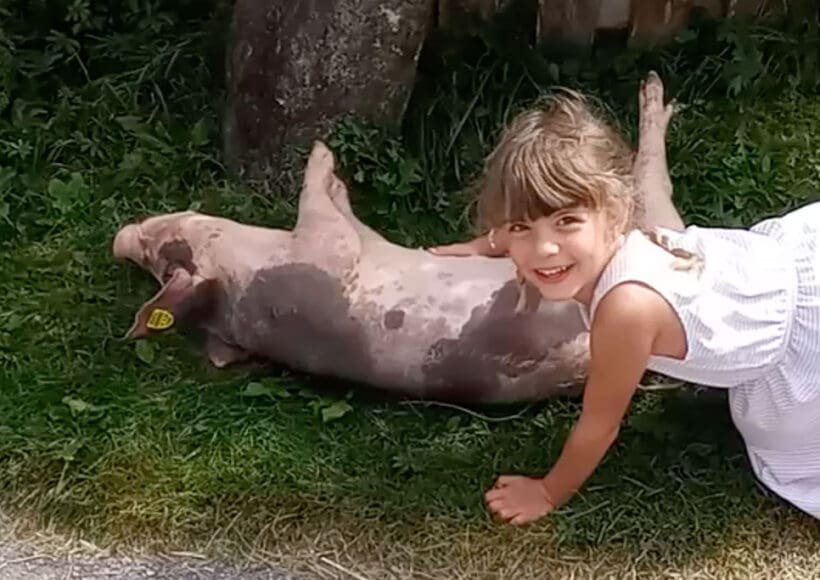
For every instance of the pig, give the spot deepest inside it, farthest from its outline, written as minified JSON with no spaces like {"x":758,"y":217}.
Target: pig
{"x":332,"y":297}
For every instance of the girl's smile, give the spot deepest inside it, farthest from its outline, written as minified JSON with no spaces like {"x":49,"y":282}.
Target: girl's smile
{"x":562,"y":254}
{"x":553,"y":275}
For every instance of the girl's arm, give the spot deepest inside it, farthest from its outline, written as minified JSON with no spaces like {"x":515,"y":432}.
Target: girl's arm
{"x":623,"y":333}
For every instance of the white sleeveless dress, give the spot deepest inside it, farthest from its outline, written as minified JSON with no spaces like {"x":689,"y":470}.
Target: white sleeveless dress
{"x":751,"y":313}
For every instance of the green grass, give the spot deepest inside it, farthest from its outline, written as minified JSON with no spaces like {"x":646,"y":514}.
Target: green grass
{"x":147,"y":445}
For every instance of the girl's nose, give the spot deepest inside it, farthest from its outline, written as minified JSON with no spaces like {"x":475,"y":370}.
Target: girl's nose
{"x":547,"y":248}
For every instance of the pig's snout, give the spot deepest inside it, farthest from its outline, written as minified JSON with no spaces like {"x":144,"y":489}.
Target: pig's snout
{"x":127,"y":243}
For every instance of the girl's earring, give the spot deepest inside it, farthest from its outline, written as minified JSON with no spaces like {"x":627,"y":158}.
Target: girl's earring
{"x":491,"y":239}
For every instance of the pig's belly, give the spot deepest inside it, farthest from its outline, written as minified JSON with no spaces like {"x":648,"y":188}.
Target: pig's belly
{"x":457,"y":328}
{"x":408,"y":321}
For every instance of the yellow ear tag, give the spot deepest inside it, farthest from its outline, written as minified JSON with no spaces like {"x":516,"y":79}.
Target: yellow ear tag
{"x":160,"y":319}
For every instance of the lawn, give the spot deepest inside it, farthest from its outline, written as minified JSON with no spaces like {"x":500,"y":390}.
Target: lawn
{"x":146,"y":447}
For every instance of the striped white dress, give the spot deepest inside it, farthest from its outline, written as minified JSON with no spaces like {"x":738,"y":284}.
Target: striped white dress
{"x":751,"y":313}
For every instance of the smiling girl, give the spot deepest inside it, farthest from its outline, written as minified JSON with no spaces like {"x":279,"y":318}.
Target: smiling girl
{"x":731,"y":308}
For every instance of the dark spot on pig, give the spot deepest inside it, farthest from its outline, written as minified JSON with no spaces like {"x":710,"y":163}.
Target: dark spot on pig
{"x":215,"y":235}
{"x":178,"y":254}
{"x":444,"y":275}
{"x":435,"y":353}
{"x":499,"y":342}
{"x":394,"y":319}
{"x":532,"y":297}
{"x":297,"y":314}
{"x":207,"y":300}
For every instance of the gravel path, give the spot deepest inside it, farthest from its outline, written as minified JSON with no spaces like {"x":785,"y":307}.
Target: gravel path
{"x":20,"y":562}
{"x":26,"y":560}
{"x":24,"y":563}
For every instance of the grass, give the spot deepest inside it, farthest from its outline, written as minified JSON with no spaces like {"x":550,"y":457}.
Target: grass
{"x":145,"y":447}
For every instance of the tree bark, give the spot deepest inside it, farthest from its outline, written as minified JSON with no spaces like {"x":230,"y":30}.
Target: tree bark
{"x":295,"y":68}
{"x":574,"y":21}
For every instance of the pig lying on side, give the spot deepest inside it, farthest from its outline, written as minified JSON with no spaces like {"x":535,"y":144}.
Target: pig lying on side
{"x":332,"y":297}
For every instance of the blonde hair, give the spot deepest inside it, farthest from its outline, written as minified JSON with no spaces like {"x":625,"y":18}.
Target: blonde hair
{"x":557,"y":155}
{"x":563,"y":154}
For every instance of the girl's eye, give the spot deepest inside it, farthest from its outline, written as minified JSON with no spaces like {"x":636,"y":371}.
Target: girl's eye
{"x":517,"y":228}
{"x":568,"y":220}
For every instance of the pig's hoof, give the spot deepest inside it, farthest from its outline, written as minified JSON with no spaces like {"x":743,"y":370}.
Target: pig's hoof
{"x":222,"y":354}
{"x":652,"y":94}
{"x":322,"y":154}
{"x":653,"y":112}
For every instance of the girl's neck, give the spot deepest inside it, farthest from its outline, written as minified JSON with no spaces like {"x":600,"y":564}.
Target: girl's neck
{"x":585,"y":295}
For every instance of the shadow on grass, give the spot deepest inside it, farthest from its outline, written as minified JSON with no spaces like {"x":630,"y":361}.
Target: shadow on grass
{"x":169,"y":453}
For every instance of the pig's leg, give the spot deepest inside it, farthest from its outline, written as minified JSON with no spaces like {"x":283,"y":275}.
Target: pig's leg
{"x":222,"y":354}
{"x":323,"y":236}
{"x":650,"y":169}
{"x":340,"y":198}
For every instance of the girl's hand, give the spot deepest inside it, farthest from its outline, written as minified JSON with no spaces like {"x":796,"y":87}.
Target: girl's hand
{"x":519,"y":500}
{"x":492,"y":245}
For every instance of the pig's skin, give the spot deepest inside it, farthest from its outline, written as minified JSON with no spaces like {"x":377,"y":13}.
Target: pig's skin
{"x":367,"y":310}
{"x":332,"y":297}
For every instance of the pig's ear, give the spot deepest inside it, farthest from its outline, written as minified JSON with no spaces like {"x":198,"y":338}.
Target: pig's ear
{"x":181,"y":297}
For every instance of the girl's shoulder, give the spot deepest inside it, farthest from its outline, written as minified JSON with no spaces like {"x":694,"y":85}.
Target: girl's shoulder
{"x":642,"y":269}
{"x":632,"y":310}
{"x":630,"y":305}
{"x":648,"y":254}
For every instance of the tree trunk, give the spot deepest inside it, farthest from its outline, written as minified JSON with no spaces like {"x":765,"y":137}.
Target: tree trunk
{"x":296,"y":67}
{"x":574,"y":21}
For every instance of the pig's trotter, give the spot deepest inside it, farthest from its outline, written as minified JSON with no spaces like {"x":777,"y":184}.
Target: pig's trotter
{"x":315,"y":205}
{"x":323,"y":236}
{"x":650,"y":168}
{"x":340,"y":198}
{"x":222,"y":354}
{"x":655,"y":115}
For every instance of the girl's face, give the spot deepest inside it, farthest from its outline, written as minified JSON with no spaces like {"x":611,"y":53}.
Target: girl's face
{"x":563,"y":254}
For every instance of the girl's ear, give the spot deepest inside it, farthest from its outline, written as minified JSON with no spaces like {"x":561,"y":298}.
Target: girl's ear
{"x":618,"y":221}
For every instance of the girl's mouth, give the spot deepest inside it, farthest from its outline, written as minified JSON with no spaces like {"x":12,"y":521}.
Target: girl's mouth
{"x":553,"y":275}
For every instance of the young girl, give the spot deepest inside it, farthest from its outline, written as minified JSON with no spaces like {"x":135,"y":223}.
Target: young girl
{"x":729,"y":308}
